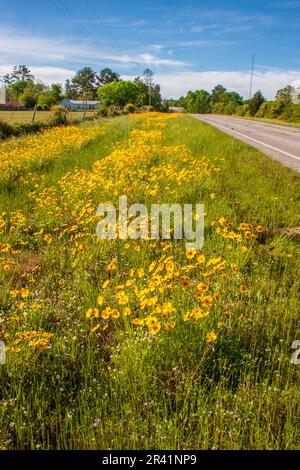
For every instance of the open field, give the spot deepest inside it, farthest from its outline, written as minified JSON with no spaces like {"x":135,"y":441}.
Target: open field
{"x":44,"y":116}
{"x":129,"y":344}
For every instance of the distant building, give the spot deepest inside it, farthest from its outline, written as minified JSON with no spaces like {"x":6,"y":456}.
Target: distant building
{"x":7,"y":102}
{"x":296,"y":96}
{"x":2,"y":95}
{"x":79,"y":105}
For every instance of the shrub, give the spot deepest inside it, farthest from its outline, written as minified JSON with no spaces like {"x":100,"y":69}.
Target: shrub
{"x":264,"y":110}
{"x":148,"y":108}
{"x":296,"y":113}
{"x":29,"y":128}
{"x":129,"y":108}
{"x":165,"y":107}
{"x":114,"y":111}
{"x":6,"y":130}
{"x":102,"y":111}
{"x":58,"y":116}
{"x":242,"y":110}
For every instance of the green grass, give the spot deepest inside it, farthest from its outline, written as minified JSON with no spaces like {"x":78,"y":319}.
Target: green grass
{"x":43,"y":116}
{"x":271,"y":121}
{"x":123,"y":389}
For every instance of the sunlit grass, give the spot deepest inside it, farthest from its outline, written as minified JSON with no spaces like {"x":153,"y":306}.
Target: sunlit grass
{"x":140,"y":344}
{"x":43,"y":116}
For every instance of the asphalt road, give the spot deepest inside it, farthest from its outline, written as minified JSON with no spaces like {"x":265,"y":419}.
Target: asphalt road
{"x":281,"y":143}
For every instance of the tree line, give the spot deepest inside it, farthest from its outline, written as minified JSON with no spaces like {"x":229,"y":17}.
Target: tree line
{"x":221,"y":101}
{"x":106,"y":87}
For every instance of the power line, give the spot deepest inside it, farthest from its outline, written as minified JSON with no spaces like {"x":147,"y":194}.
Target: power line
{"x":104,"y":25}
{"x":77,"y":25}
{"x":88,"y":18}
{"x":87,"y":32}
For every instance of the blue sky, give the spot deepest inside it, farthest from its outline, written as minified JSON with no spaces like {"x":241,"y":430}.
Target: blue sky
{"x":188,"y":44}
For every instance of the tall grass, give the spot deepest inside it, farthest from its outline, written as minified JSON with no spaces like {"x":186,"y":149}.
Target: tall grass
{"x":122,"y":387}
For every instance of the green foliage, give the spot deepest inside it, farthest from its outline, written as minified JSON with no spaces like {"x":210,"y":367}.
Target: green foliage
{"x":50,"y":96}
{"x":227,"y":103}
{"x":28,"y":98}
{"x":6,"y":130}
{"x":264,"y":110}
{"x":129,"y":108}
{"x":20,"y":129}
{"x":20,"y":73}
{"x":84,"y":83}
{"x":118,"y":93}
{"x":285,"y":94}
{"x":58,"y":116}
{"x":107,"y":76}
{"x":124,"y":390}
{"x":198,"y":102}
{"x":255,"y":103}
{"x":18,"y":88}
{"x":165,"y":106}
{"x":148,"y":108}
{"x":217,"y":94}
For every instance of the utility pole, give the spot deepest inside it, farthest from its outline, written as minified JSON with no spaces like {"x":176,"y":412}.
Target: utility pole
{"x":251,"y":81}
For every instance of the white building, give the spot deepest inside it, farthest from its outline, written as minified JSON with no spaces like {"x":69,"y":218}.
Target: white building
{"x":2,"y":95}
{"x":79,"y":105}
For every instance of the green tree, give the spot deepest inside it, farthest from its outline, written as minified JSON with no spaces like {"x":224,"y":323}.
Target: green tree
{"x":28,"y":98}
{"x":143,"y":94}
{"x":118,"y":93}
{"x":108,"y":76}
{"x":265,"y":110}
{"x":56,"y":91}
{"x":228,"y":103}
{"x":217,"y":93}
{"x":7,"y":79}
{"x":84,"y":83}
{"x":198,"y":102}
{"x":69,"y":90}
{"x":255,"y":103}
{"x":22,"y":73}
{"x":147,"y":78}
{"x":285,"y":94}
{"x":18,"y":88}
{"x":50,"y":96}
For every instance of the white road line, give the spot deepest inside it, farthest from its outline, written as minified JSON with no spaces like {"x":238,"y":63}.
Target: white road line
{"x":253,"y":140}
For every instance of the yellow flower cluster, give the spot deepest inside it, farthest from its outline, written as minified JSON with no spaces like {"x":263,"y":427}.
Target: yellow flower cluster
{"x":172,"y":287}
{"x":18,"y":155}
{"x":32,"y":339}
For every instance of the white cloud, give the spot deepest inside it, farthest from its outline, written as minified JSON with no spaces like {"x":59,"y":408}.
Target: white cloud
{"x":177,"y":84}
{"x":204,"y":43}
{"x":18,"y":47}
{"x":47,"y":74}
{"x":147,"y":59}
{"x":15,"y":46}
